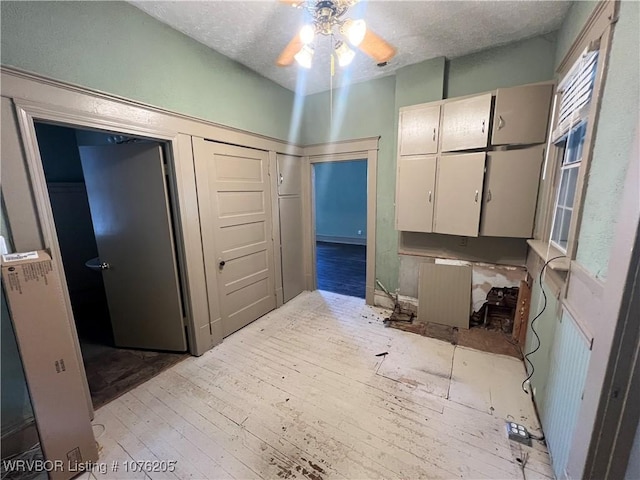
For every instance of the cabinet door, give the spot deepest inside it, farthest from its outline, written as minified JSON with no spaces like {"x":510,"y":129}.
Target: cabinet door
{"x":415,"y":193}
{"x":419,"y":128}
{"x":458,"y":192}
{"x":465,"y":123}
{"x":289,"y":175}
{"x":511,"y":192}
{"x":521,"y":115}
{"x":291,"y":246}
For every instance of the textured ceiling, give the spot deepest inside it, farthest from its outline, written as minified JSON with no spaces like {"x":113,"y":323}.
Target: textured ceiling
{"x":254,"y":32}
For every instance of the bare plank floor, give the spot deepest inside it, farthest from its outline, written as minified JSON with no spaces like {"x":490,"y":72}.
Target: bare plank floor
{"x":300,"y":393}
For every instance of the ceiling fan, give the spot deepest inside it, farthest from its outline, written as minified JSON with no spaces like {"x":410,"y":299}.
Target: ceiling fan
{"x":326,"y":17}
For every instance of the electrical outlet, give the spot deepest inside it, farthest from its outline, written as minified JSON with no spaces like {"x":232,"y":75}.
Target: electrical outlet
{"x":463,"y":241}
{"x":359,"y":232}
{"x":518,"y":433}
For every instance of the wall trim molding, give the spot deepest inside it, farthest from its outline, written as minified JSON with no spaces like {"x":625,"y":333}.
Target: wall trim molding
{"x":344,"y":146}
{"x":19,"y":84}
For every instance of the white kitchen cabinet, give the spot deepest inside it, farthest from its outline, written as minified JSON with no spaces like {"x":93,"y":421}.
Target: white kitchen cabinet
{"x":415,"y":193}
{"x":419,"y":130}
{"x":289,"y":174}
{"x":458,"y":194}
{"x":465,"y":123}
{"x":511,"y":192}
{"x":521,"y":115}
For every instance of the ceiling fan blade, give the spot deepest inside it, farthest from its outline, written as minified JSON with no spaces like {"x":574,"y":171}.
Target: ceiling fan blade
{"x":377,"y":47}
{"x":286,"y":56}
{"x":293,"y":3}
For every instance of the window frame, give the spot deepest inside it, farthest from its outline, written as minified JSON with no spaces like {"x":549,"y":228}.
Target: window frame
{"x":594,"y":36}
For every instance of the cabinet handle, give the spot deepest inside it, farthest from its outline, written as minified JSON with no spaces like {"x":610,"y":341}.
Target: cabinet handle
{"x":429,"y":196}
{"x":500,"y":122}
{"x":281,"y":179}
{"x":489,"y":196}
{"x":434,"y":134}
{"x":482,"y":126}
{"x":476,"y":200}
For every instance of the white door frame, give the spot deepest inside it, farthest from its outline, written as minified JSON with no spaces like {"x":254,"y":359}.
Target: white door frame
{"x":359,"y":149}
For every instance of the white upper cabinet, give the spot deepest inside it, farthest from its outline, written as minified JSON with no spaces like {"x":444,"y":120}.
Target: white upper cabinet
{"x":465,"y":123}
{"x":521,"y":115}
{"x":289,"y":175}
{"x":415,"y":193}
{"x":419,"y":130}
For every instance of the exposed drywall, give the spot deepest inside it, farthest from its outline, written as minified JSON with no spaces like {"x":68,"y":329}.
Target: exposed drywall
{"x":613,"y":143}
{"x":518,"y":63}
{"x":116,"y":48}
{"x":483,"y":277}
{"x":341,"y":201}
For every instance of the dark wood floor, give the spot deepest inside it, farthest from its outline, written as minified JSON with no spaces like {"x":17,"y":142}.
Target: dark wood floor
{"x":341,"y":268}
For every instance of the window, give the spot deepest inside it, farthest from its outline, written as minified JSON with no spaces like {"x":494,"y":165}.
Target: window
{"x":571,"y":146}
{"x":575,"y":93}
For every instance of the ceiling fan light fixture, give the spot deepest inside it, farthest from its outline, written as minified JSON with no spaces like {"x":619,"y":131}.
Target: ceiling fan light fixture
{"x":344,"y":53}
{"x":305,"y":56}
{"x":307,"y":33}
{"x":355,"y":31}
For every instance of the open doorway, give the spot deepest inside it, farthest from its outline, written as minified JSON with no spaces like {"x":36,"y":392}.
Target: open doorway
{"x":340,"y":206}
{"x":112,"y":210}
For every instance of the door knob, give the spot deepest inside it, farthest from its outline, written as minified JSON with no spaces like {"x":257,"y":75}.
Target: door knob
{"x":221,"y":264}
{"x":105,"y":266}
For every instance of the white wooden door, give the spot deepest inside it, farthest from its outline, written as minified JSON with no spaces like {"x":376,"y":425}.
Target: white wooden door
{"x":419,"y":130}
{"x":415,"y":193}
{"x":127,"y":192}
{"x":235,"y":210}
{"x":465,"y":123}
{"x":458,"y":194}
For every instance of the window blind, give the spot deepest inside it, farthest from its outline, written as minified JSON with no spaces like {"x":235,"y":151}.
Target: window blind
{"x":576,"y":89}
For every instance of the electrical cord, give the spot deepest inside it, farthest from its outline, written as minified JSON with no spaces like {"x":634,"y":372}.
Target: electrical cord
{"x":544,"y":307}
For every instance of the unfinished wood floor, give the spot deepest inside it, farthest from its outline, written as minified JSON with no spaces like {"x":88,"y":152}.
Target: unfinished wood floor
{"x":300,"y":393}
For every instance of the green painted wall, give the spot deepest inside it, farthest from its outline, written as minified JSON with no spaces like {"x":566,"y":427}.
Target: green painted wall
{"x":420,"y":83}
{"x":613,"y":143}
{"x":116,"y":48}
{"x":341,"y":200}
{"x":575,"y":19}
{"x":517,"y":63}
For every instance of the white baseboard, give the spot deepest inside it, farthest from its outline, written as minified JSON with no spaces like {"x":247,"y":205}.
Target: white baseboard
{"x":345,"y":240}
